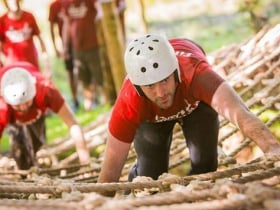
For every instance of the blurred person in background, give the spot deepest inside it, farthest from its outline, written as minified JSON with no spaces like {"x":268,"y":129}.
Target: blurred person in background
{"x":81,"y":22}
{"x":18,"y":28}
{"x":57,"y":16}
{"x":25,"y":97}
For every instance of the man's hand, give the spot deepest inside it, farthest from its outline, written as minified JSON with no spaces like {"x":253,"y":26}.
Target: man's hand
{"x":274,"y":150}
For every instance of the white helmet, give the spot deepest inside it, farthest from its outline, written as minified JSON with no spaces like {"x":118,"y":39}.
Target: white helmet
{"x":17,"y":86}
{"x":150,"y":59}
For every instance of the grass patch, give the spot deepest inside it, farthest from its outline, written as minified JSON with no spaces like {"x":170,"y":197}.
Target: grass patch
{"x":56,"y":127}
{"x":210,"y":31}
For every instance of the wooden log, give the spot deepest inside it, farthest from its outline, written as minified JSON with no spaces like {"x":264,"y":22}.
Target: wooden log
{"x":114,"y":42}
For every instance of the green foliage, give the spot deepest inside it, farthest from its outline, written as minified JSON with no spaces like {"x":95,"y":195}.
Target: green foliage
{"x":4,"y":146}
{"x":261,"y":12}
{"x":249,"y":5}
{"x":214,"y":32}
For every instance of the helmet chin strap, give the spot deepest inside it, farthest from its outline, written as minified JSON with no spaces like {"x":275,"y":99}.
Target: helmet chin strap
{"x":139,"y":91}
{"x":176,"y":75}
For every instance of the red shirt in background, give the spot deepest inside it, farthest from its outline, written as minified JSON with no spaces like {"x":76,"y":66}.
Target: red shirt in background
{"x":17,"y":38}
{"x":82,"y":14}
{"x":56,"y":14}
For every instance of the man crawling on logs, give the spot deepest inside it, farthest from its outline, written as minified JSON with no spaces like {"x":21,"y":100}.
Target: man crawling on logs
{"x":26,"y":95}
{"x":169,"y":82}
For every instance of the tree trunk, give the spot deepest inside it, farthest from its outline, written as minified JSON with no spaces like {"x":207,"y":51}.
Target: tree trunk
{"x":114,"y":42}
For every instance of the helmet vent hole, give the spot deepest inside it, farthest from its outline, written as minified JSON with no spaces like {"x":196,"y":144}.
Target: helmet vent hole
{"x":155,"y":40}
{"x":151,"y":48}
{"x":138,"y":52}
{"x":131,"y":49}
{"x":155,"y":65}
{"x":143,"y":69}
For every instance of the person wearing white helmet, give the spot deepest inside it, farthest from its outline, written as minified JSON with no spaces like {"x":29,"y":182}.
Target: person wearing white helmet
{"x":25,"y":97}
{"x":169,"y":82}
{"x":18,"y":87}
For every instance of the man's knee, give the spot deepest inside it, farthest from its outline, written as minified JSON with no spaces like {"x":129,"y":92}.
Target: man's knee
{"x":205,"y":166}
{"x":133,"y":173}
{"x":22,"y":157}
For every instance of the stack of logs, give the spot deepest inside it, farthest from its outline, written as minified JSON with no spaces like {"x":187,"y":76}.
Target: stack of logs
{"x":244,"y":180}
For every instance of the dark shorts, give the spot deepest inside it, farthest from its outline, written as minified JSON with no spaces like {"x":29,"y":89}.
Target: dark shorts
{"x":25,"y":141}
{"x":153,"y":140}
{"x":89,"y":66}
{"x":69,"y":61}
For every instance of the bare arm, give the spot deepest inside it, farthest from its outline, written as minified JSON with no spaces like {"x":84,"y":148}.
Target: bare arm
{"x":228,"y":104}
{"x":47,"y":70}
{"x":76,"y":133}
{"x":115,"y":156}
{"x":122,"y":6}
{"x":1,"y":55}
{"x":66,"y":35}
{"x":98,"y":7}
{"x":42,"y":44}
{"x":53,"y":38}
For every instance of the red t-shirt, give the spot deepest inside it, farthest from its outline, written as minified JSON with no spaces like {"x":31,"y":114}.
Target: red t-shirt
{"x":82,"y":14}
{"x":198,"y":83}
{"x":56,"y":14}
{"x":17,"y":37}
{"x":47,"y":97}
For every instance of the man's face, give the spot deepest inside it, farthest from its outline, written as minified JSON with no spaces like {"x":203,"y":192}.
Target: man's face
{"x":161,"y":93}
{"x":12,"y":5}
{"x":24,"y":107}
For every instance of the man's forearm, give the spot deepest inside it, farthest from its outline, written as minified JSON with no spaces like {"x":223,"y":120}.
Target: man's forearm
{"x":81,"y":146}
{"x":257,"y":131}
